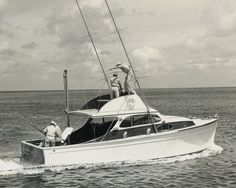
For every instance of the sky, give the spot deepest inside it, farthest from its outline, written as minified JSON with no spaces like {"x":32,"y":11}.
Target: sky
{"x":171,"y":44}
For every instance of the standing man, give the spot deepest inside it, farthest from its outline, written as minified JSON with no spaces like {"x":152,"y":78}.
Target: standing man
{"x":124,"y":68}
{"x":127,"y":88}
{"x":127,"y":70}
{"x":53,"y":135}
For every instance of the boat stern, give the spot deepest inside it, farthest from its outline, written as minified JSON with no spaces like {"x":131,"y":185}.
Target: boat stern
{"x":31,"y":154}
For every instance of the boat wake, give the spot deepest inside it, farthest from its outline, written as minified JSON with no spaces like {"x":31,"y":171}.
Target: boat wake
{"x":13,"y":166}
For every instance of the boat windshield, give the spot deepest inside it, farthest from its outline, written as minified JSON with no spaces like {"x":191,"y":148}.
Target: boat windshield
{"x":92,"y":129}
{"x":142,"y":119}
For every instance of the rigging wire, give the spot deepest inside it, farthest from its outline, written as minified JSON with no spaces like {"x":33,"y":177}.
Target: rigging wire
{"x":85,"y":98}
{"x":94,"y":47}
{"x":126,"y":53}
{"x":122,"y":43}
{"x":126,"y":98}
{"x":75,"y":98}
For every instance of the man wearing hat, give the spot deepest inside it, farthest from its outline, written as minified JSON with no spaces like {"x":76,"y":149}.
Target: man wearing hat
{"x":127,"y":70}
{"x":53,"y":135}
{"x":115,"y":85}
{"x":124,"y":68}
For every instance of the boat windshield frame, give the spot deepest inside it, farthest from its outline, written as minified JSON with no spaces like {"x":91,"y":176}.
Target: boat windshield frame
{"x":149,"y":120}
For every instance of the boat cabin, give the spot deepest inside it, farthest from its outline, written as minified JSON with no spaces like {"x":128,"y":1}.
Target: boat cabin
{"x":120,"y":118}
{"x":120,"y":127}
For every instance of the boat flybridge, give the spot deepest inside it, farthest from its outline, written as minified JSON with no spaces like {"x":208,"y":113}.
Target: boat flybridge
{"x":121,"y":129}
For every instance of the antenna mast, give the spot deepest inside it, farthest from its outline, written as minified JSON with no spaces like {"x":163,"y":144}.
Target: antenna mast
{"x":94,"y":47}
{"x":67,"y":97}
{"x":126,"y":53}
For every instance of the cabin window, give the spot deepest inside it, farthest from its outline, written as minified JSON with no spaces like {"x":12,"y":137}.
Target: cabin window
{"x":165,"y":127}
{"x":139,"y":120}
{"x":175,"y":125}
{"x":134,"y":120}
{"x":188,"y":123}
{"x":155,"y":118}
{"x":103,"y":122}
{"x":182,"y":124}
{"x":126,"y":122}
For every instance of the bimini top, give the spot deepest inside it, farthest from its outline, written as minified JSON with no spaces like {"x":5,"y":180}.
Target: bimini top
{"x":122,"y":105}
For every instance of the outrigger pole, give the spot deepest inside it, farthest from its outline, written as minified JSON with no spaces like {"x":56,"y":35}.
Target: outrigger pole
{"x":94,"y":47}
{"x":67,"y":97}
{"x":126,"y":53}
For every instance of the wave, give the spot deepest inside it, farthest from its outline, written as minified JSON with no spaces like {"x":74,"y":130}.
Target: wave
{"x":13,"y":166}
{"x":9,"y":166}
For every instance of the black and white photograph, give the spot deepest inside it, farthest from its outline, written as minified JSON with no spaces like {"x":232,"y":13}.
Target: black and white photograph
{"x":117,"y":93}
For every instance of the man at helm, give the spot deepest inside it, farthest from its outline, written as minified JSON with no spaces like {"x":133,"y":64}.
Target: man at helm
{"x":127,"y":70}
{"x":53,"y":135}
{"x":115,"y":86}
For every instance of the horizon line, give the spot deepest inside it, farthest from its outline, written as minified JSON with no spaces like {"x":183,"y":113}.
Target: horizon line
{"x":90,"y":89}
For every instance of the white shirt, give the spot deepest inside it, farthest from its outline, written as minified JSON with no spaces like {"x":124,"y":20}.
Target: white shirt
{"x":53,"y":131}
{"x":115,"y":82}
{"x":125,"y":68}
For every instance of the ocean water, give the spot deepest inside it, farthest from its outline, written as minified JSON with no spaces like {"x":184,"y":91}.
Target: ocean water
{"x":215,"y":167}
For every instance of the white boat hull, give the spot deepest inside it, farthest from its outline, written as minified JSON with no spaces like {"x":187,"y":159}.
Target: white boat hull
{"x":159,"y":145}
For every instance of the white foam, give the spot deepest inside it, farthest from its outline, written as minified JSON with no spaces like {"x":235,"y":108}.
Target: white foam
{"x":8,"y":167}
{"x":13,"y":166}
{"x":212,"y":150}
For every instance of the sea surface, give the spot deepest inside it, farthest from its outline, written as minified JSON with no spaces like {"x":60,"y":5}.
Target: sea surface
{"x":215,"y":167}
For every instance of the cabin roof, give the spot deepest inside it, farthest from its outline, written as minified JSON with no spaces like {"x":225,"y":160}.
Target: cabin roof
{"x":89,"y":112}
{"x":128,"y":104}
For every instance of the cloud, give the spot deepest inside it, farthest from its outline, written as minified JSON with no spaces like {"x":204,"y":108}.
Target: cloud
{"x":3,"y":3}
{"x":105,"y":53}
{"x":91,"y":3}
{"x":68,"y":27}
{"x":195,"y":42}
{"x":171,"y":38}
{"x":147,"y":54}
{"x":5,"y":49}
{"x":4,"y":27}
{"x":220,"y":17}
{"x":4,"y":46}
{"x":30,"y":45}
{"x":150,"y":61}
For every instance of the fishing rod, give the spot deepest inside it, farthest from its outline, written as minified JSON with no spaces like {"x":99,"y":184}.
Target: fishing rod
{"x":29,"y":123}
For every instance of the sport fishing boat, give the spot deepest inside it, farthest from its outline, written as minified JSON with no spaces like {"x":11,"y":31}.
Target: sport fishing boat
{"x":121,"y":129}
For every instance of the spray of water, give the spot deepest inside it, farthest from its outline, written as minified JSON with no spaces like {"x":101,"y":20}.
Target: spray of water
{"x":13,"y":166}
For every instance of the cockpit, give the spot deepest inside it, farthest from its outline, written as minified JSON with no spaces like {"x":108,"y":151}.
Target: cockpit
{"x":92,"y":129}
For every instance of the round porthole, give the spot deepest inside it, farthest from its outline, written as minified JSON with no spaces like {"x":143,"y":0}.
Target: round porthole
{"x":125,"y":134}
{"x":148,"y":131}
